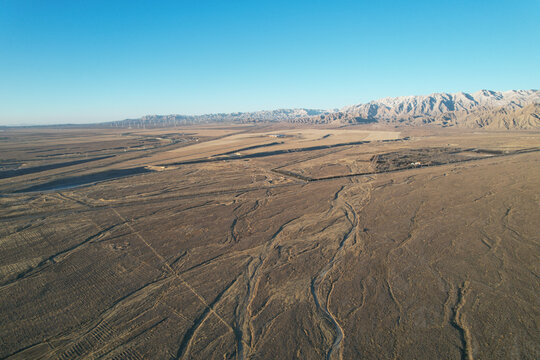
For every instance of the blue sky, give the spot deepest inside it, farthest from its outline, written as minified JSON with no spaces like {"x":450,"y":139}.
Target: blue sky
{"x":89,"y":61}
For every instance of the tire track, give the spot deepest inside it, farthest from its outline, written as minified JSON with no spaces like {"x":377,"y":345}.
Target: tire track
{"x":53,"y":258}
{"x":209,"y":307}
{"x":184,"y":348}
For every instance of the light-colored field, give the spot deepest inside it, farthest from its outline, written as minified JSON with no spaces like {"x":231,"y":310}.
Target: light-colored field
{"x":287,"y":139}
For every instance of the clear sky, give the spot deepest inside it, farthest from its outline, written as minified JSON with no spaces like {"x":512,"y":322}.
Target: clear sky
{"x":91,"y":60}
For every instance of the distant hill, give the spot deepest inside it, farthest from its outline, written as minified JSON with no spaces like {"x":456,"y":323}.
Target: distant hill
{"x":285,"y":115}
{"x":515,"y":109}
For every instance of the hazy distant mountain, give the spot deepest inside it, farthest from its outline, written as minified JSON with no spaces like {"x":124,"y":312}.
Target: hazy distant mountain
{"x":286,"y":115}
{"x":515,"y":109}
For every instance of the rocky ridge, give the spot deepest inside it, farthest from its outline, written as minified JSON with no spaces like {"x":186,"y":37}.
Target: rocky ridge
{"x":515,"y":109}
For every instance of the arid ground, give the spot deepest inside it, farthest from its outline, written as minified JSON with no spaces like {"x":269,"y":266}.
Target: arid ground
{"x":269,"y":242}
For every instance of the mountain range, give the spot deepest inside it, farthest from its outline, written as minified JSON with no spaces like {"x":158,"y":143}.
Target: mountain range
{"x":515,"y":109}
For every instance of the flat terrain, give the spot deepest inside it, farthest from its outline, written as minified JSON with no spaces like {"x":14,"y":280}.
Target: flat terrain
{"x":268,"y":242}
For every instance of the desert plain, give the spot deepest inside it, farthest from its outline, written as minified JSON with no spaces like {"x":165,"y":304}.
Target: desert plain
{"x":269,"y":242}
